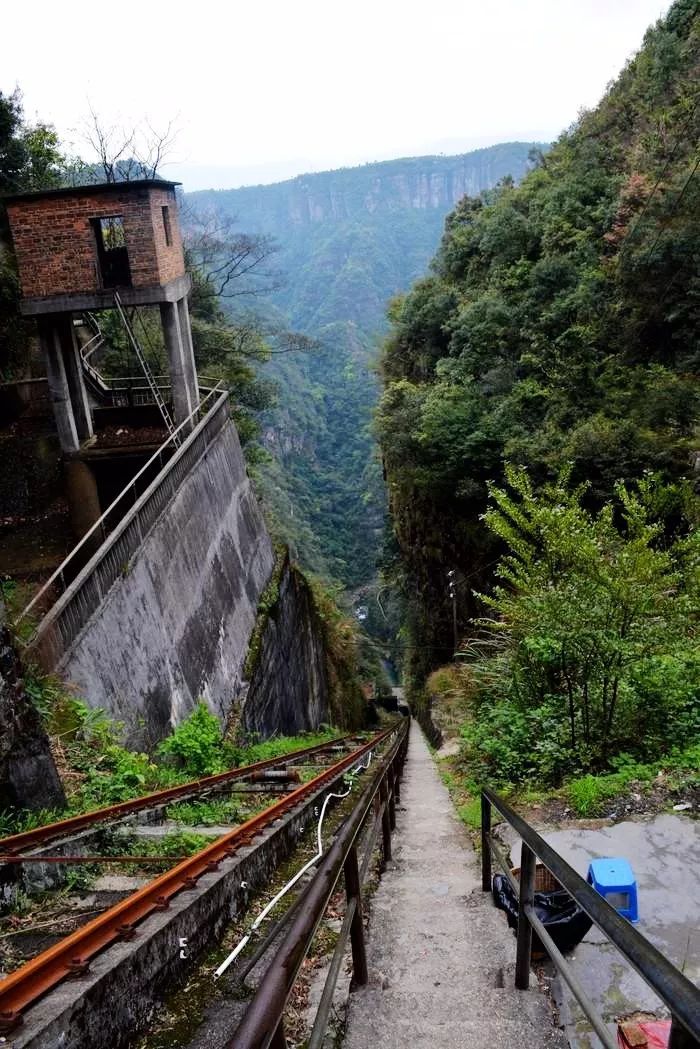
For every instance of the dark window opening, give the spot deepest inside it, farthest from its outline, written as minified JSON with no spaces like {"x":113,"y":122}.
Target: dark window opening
{"x":112,"y":254}
{"x":166,"y":225}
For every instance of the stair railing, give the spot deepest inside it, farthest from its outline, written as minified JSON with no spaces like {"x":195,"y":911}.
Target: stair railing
{"x":680,"y":996}
{"x":62,"y":577}
{"x":146,"y":368}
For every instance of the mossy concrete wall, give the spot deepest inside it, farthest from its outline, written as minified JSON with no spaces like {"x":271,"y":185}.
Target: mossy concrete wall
{"x":175,"y":625}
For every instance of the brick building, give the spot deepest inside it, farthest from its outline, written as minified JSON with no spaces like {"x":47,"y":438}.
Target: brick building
{"x":75,"y":246}
{"x":88,"y":248}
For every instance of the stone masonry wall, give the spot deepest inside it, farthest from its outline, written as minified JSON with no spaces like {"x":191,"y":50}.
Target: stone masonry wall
{"x":55,"y":243}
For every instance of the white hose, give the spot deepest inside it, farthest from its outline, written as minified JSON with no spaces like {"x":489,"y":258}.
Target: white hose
{"x":275,"y":900}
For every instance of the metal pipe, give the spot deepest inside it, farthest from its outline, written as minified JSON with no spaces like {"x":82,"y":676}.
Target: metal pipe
{"x":525,"y":904}
{"x":353,"y":895}
{"x":568,"y":975}
{"x":485,"y":843}
{"x":318,"y":1031}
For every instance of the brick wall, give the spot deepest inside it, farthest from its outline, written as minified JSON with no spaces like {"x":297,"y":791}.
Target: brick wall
{"x":170,"y":264}
{"x":55,"y":242}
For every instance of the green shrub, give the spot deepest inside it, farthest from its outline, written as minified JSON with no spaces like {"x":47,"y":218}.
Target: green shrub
{"x":591,"y":647}
{"x":588,"y":794}
{"x":196,"y":743}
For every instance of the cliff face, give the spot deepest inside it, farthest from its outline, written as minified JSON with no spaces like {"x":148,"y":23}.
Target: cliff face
{"x":28,"y":776}
{"x":288,"y":691}
{"x":414,"y":183}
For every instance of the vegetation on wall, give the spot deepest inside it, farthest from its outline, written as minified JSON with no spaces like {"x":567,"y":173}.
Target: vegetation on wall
{"x":558,"y":329}
{"x":96,"y":769}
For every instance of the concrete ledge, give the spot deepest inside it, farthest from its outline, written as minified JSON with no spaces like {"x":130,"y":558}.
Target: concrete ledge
{"x":103,"y":299}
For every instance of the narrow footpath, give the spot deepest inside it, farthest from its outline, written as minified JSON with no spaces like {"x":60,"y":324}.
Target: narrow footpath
{"x":441,"y":956}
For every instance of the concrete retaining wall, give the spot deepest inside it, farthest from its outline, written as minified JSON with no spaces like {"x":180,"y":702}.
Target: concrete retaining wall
{"x":175,"y":623}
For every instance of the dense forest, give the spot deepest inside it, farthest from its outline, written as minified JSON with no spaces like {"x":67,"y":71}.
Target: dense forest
{"x":539,"y":430}
{"x":346,"y":242}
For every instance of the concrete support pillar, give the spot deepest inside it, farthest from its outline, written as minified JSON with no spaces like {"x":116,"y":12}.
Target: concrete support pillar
{"x":59,"y":389}
{"x":75,"y":377}
{"x":188,"y":349}
{"x":183,"y":402}
{"x":83,"y":501}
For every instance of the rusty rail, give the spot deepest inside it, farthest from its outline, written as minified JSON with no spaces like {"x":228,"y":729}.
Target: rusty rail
{"x":262,"y":1025}
{"x":29,"y":839}
{"x":73,"y":954}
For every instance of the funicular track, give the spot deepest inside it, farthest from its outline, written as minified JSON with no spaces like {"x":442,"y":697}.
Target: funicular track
{"x":72,"y":956}
{"x":12,"y":846}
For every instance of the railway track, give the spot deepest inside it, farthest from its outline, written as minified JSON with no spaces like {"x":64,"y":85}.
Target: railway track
{"x":14,"y":844}
{"x":74,"y":955}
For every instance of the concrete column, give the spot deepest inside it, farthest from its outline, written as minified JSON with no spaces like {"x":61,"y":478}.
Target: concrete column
{"x":83,"y":501}
{"x":182,"y":393}
{"x":188,"y":350}
{"x":75,"y":377}
{"x":59,"y":389}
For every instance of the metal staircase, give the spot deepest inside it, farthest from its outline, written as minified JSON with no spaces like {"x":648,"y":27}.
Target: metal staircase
{"x":146,"y":368}
{"x":95,"y":380}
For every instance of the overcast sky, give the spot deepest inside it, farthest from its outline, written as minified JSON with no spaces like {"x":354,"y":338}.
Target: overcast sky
{"x":264,"y":90}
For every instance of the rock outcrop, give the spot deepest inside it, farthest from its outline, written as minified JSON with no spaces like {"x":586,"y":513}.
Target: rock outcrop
{"x":28,"y":776}
{"x":288,"y":691}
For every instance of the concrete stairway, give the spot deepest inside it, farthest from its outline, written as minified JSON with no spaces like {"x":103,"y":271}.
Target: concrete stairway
{"x":441,"y":957}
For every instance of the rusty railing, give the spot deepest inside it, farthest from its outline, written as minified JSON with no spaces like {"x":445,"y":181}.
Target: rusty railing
{"x":73,"y":954}
{"x":374,"y":813}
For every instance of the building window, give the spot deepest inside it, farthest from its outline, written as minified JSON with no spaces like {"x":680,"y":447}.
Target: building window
{"x":112,"y":230}
{"x":166,"y":225}
{"x":112,"y":254}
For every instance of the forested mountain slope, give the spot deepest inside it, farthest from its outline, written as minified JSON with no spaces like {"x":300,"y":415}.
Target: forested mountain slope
{"x":558,"y":325}
{"x":348,"y":240}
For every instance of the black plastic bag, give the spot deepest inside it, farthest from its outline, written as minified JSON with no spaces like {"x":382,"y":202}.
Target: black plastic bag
{"x":564,"y":920}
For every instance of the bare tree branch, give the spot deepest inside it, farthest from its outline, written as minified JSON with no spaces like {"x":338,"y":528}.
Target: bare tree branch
{"x":126,"y":154}
{"x":233,"y":263}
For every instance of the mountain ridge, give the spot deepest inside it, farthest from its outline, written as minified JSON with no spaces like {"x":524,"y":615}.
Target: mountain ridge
{"x":349,"y":240}
{"x":446,"y":180}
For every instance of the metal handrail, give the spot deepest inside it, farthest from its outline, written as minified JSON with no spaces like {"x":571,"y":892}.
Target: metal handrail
{"x":262,"y":1023}
{"x":99,"y":525}
{"x":680,"y":996}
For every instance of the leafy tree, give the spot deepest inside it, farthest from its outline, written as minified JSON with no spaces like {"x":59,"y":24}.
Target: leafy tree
{"x":30,"y":158}
{"x":592,"y":643}
{"x":558,"y":325}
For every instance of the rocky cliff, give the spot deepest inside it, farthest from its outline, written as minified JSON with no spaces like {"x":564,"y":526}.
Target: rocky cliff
{"x":413,"y":183}
{"x":28,"y":776}
{"x":288,"y":691}
{"x":349,"y":240}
